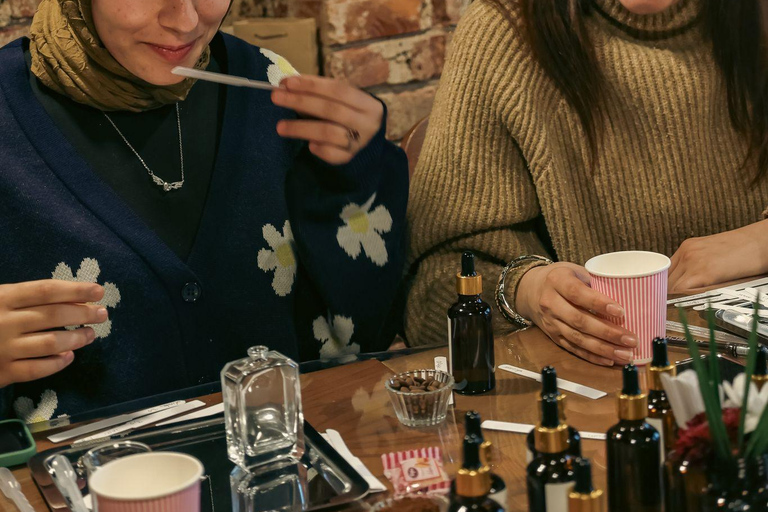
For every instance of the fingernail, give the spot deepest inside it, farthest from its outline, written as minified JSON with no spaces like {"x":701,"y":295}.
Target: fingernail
{"x":625,"y":355}
{"x":615,"y":310}
{"x":90,"y":335}
{"x":289,"y":81}
{"x":101,"y":314}
{"x":277,"y":96}
{"x":69,"y":357}
{"x":629,"y":341}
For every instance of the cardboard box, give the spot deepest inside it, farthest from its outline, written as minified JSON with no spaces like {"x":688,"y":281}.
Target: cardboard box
{"x":295,"y":39}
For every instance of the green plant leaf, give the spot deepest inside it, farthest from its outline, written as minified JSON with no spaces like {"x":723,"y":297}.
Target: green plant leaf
{"x":750,"y":368}
{"x":711,"y":398}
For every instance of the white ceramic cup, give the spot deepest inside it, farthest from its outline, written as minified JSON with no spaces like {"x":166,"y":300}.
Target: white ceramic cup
{"x":148,"y":482}
{"x":637,"y":280}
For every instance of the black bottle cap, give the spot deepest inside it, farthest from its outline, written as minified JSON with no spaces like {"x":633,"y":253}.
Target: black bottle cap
{"x":550,"y":416}
{"x":549,"y":381}
{"x":583,"y":472}
{"x":471,"y":453}
{"x":760,"y":361}
{"x":660,"y":358}
{"x":472,"y":423}
{"x":468,"y":264}
{"x":631,"y":381}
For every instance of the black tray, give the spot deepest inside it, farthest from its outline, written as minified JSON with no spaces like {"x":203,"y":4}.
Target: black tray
{"x":334,"y":482}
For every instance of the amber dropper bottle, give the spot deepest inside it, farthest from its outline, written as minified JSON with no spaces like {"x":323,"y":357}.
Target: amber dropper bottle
{"x":470,"y":334}
{"x":760,"y":373}
{"x":634,"y":447}
{"x":472,"y":484}
{"x":549,"y":387}
{"x":550,"y":475}
{"x":660,"y":414}
{"x":584,"y":497}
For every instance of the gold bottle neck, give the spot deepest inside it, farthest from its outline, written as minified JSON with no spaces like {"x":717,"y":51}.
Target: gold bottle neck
{"x":760,"y":381}
{"x":486,"y":454}
{"x":551,"y":440}
{"x":655,"y":373}
{"x":473,"y":483}
{"x":592,"y":502}
{"x":633,"y":407}
{"x":469,"y":285}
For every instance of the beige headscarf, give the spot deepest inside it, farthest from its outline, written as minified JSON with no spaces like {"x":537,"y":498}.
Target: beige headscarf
{"x":68,"y":57}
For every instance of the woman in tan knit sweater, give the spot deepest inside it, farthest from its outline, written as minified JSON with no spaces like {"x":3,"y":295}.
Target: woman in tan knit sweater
{"x":564,"y":129}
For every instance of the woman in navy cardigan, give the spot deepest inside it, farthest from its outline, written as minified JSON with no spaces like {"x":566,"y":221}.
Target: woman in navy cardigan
{"x":152,"y":230}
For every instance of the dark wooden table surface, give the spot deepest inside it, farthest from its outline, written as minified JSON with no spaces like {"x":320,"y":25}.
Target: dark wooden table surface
{"x":352,"y":400}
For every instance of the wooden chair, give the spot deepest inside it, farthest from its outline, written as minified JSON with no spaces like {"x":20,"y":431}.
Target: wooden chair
{"x":413,"y":141}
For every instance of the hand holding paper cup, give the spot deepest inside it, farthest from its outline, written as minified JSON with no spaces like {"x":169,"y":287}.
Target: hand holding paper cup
{"x":638,"y":281}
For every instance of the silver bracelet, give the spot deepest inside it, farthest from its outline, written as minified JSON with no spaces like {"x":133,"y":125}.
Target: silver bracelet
{"x":506,"y":310}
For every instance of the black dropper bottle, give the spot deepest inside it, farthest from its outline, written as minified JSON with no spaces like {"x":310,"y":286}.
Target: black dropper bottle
{"x":498,"y":492}
{"x":660,"y":414}
{"x":760,"y":372}
{"x":470,"y":334}
{"x":550,"y":475}
{"x":634,"y":463}
{"x":472,"y":483}
{"x":549,"y":387}
{"x":584,"y":497}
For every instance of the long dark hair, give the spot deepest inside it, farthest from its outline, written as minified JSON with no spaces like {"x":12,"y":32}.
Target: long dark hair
{"x":558,"y":36}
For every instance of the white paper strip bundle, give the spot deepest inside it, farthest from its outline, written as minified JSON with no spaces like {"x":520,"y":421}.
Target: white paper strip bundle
{"x":684,"y":396}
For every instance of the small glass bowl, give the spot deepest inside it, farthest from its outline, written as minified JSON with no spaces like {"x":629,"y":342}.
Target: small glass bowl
{"x":421,"y":409}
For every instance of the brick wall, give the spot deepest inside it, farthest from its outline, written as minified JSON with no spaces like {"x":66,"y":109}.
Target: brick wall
{"x":392,"y":48}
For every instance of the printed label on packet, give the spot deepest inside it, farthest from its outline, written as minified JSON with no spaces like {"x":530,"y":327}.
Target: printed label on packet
{"x":420,"y":469}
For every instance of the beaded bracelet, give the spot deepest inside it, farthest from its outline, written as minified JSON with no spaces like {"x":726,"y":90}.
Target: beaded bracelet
{"x":506,"y":310}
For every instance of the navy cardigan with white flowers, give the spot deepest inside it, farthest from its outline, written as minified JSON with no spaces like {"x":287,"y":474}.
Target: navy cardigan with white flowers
{"x":291,"y":253}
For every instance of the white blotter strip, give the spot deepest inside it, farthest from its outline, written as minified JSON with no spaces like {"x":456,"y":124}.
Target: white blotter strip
{"x":567,"y":385}
{"x":524,"y":428}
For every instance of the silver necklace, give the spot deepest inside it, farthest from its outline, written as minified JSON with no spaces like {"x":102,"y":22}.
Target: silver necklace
{"x":167,"y":187}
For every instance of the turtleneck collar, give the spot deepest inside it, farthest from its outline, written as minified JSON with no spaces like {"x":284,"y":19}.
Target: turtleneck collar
{"x":676,"y":19}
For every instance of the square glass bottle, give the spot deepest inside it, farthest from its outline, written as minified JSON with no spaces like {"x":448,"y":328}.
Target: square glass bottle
{"x":262,"y":408}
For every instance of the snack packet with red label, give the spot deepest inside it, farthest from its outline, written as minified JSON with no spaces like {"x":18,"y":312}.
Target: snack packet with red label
{"x":416,"y":471}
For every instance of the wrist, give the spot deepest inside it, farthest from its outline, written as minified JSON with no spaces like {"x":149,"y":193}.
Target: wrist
{"x":525,"y":290}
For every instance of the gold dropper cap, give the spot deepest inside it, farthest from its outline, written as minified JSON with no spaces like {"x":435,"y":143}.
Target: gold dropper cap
{"x":551,"y":434}
{"x":660,"y":365}
{"x":633,"y":403}
{"x":583,"y":497}
{"x":473,"y":479}
{"x":468,"y":282}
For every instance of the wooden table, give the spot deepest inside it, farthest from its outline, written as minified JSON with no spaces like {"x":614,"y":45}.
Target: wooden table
{"x":352,"y":400}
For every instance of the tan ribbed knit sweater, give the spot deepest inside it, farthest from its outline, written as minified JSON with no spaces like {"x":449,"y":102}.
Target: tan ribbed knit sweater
{"x":504,"y":149}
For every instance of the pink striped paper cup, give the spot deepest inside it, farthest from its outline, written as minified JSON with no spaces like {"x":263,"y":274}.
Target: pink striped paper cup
{"x":148,"y":482}
{"x":638,"y":281}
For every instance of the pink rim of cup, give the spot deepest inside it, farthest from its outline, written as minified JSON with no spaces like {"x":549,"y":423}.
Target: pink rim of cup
{"x":148,"y":482}
{"x":637,"y":280}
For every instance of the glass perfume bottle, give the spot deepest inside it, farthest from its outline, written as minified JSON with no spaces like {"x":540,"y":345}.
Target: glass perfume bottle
{"x":262,"y":408}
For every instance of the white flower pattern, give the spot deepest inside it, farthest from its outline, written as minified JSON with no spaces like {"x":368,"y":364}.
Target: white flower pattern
{"x":281,"y":259}
{"x":89,"y":273}
{"x":279,"y":69}
{"x":25,"y":409}
{"x":336,"y":337}
{"x":362,"y":230}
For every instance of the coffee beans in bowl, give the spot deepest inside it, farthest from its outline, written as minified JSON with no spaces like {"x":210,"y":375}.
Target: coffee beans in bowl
{"x":420,"y":397}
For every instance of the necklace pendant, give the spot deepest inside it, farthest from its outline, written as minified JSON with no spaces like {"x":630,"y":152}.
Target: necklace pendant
{"x":167,"y":187}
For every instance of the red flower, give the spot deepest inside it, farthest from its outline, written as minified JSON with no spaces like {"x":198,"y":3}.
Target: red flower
{"x":694,"y":442}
